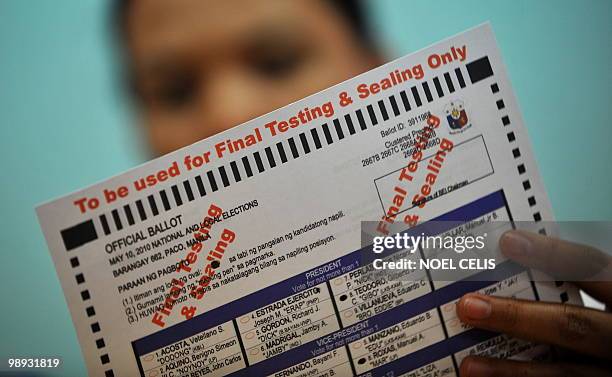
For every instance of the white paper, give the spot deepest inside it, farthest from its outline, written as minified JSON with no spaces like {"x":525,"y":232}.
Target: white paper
{"x":291,"y":227}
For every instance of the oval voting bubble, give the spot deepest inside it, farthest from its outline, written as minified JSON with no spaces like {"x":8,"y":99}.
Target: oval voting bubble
{"x":148,"y":357}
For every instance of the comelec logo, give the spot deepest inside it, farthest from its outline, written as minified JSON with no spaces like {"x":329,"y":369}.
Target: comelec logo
{"x":456,"y":116}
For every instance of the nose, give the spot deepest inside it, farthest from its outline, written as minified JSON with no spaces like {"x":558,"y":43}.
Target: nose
{"x":231,"y":99}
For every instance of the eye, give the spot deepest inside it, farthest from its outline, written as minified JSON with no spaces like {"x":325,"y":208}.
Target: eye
{"x":276,"y":62}
{"x":177,"y":92}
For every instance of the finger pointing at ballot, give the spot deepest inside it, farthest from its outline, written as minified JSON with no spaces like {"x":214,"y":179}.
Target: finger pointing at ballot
{"x":586,"y":266}
{"x":581,"y":330}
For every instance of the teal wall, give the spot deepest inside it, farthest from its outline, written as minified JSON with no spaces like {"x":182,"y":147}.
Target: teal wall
{"x":64,"y":127}
{"x":559,"y":58}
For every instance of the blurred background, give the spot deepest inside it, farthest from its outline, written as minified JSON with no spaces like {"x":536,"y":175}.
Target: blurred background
{"x":65,"y":123}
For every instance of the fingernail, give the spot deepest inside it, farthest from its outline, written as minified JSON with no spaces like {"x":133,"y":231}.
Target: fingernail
{"x":476,"y":308}
{"x":514,"y":243}
{"x":475,"y":368}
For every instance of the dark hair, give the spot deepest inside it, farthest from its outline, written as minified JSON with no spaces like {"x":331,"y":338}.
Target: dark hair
{"x":351,"y":10}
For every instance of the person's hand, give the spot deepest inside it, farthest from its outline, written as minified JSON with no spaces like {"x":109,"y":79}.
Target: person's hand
{"x":586,"y":333}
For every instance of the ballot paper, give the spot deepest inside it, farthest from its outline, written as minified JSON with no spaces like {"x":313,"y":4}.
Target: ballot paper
{"x":241,"y":254}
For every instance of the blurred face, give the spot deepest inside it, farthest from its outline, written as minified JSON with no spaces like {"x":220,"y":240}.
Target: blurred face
{"x":203,"y":66}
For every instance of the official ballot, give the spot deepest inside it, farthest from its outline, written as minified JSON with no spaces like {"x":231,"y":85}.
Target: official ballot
{"x":241,"y":254}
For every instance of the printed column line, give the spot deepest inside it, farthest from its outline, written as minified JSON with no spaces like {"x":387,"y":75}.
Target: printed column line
{"x":333,"y":300}
{"x":242,"y":349}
